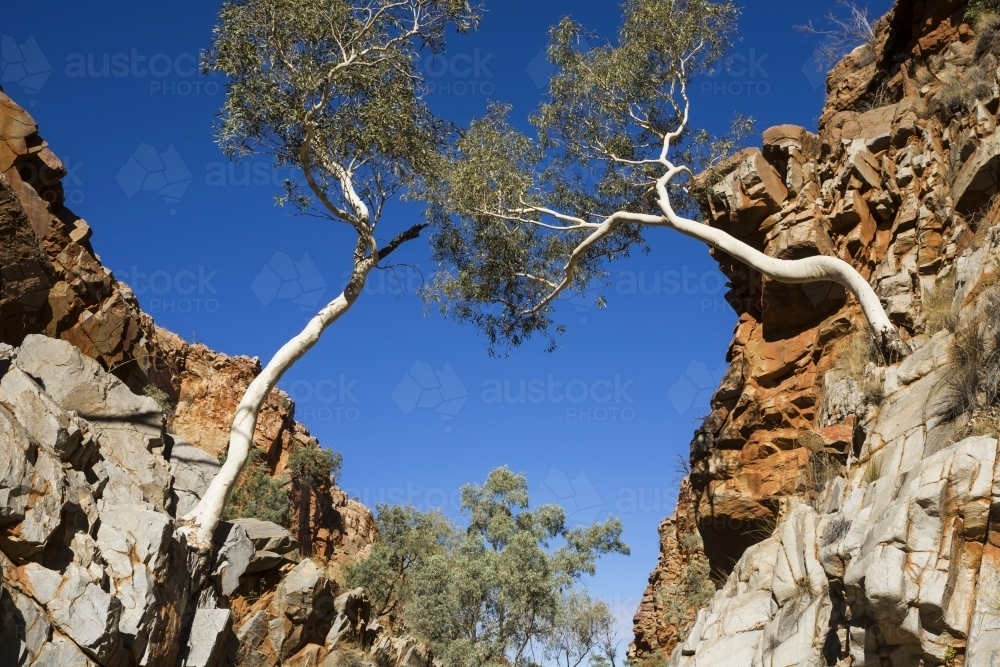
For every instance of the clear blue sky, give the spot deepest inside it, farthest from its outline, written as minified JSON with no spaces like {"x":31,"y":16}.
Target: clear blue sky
{"x":599,"y":422}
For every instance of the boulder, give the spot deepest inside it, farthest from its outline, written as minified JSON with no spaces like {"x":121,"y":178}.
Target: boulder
{"x":193,"y":470}
{"x":32,"y":492}
{"x":233,"y":555}
{"x":207,"y":640}
{"x":268,"y":536}
{"x":129,"y":428}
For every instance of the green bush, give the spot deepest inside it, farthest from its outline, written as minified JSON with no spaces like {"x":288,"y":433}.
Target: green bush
{"x":681,"y":600}
{"x":258,"y":495}
{"x":314,"y":466}
{"x":979,"y":9}
{"x":161,"y":398}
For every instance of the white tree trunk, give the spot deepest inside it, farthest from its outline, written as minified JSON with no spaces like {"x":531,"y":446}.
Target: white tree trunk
{"x":795,"y":271}
{"x":201,"y":522}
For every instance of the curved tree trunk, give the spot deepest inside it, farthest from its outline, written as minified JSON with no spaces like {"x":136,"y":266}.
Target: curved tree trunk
{"x":202,"y":521}
{"x":806,"y":270}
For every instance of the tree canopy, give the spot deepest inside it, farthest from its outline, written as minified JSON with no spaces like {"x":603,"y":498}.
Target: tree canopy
{"x":514,"y":209}
{"x":504,"y":589}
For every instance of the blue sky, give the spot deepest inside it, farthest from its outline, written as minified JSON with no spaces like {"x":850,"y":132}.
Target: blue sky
{"x":413,"y":401}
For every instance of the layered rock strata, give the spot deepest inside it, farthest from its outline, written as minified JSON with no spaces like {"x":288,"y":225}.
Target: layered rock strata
{"x":815,"y":562}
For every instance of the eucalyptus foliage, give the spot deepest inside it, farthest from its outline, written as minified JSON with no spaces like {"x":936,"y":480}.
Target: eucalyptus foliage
{"x":334,"y":88}
{"x":502,"y":590}
{"x":515,"y":209}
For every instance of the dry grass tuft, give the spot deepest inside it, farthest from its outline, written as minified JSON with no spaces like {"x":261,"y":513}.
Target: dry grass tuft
{"x":959,"y":93}
{"x":973,"y":377}
{"x":874,"y":470}
{"x":939,"y":305}
{"x":987,"y":35}
{"x":859,"y":358}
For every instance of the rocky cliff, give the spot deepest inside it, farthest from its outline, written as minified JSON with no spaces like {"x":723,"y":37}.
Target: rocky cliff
{"x":842,"y":508}
{"x":94,"y":473}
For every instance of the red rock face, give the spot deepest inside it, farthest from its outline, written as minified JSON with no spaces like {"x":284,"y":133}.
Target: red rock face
{"x":875,"y":187}
{"x":52,"y":282}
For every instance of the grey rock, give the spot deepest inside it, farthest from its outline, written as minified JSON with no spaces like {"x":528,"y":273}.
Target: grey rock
{"x":45,"y":422}
{"x":193,"y":470}
{"x":129,"y":428}
{"x":206,"y":642}
{"x":135,"y":543}
{"x":32,"y":486}
{"x":302,"y":610}
{"x":267,"y":536}
{"x":87,"y":614}
{"x":235,"y":551}
{"x":13,"y":650}
{"x":33,"y":624}
{"x":265,"y":560}
{"x":61,"y":652}
{"x":926,"y":359}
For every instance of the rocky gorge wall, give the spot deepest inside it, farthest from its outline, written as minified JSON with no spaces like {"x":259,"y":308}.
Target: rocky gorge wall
{"x":94,"y":473}
{"x":844,"y":514}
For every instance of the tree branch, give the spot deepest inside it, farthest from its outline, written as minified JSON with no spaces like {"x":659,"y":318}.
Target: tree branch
{"x":410,"y":234}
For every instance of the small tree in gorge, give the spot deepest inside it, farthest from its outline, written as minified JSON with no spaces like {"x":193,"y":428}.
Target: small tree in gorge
{"x":332,"y":88}
{"x":518,"y":224}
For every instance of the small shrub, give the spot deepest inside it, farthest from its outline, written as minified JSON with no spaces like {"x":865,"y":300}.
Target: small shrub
{"x":314,"y":466}
{"x":983,"y":422}
{"x":803,"y":587}
{"x":857,"y":359}
{"x":938,"y":305}
{"x":682,"y":600}
{"x":161,"y":398}
{"x":973,"y":376}
{"x":822,"y":468}
{"x":950,"y":654}
{"x":257,"y":495}
{"x":874,"y":471}
{"x":835,"y":531}
{"x":987,"y":25}
{"x":959,"y":93}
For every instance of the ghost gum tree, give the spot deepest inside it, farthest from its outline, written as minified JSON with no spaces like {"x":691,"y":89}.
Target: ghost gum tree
{"x":522,"y":219}
{"x":331,"y":88}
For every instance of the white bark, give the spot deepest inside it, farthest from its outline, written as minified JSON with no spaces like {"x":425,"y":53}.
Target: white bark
{"x":793,"y":271}
{"x":201,"y":522}
{"x":807,"y":270}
